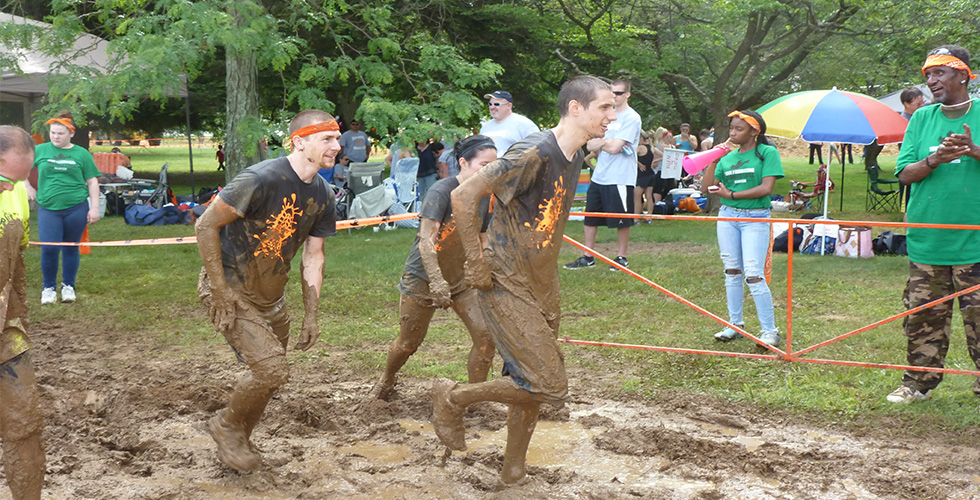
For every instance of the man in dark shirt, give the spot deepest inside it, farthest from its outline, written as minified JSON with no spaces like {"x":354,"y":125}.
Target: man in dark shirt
{"x":534,"y":186}
{"x":247,"y":239}
{"x":427,"y":175}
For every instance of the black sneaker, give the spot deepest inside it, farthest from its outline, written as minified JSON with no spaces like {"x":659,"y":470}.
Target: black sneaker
{"x":621,"y":261}
{"x":581,"y":263}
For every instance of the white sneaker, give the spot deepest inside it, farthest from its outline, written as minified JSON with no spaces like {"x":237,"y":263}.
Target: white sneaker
{"x":48,"y":296}
{"x":67,"y":293}
{"x":905,"y":394}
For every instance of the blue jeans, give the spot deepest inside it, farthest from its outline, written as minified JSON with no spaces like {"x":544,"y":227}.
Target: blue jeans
{"x":424,"y":183}
{"x":744,"y":246}
{"x":61,"y":225}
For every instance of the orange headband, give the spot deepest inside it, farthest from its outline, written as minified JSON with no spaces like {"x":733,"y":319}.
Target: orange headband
{"x":946,"y":60}
{"x":64,"y":121}
{"x":748,"y":119}
{"x":327,"y":126}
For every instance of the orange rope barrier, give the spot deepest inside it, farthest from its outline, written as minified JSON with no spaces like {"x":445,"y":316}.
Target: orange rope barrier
{"x":341,"y":224}
{"x":672,"y":295}
{"x":789,"y":355}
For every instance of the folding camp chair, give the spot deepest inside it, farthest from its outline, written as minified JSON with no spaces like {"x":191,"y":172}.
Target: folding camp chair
{"x":881,"y":193}
{"x":404,"y":173}
{"x":582,"y":188}
{"x":364,"y":176}
{"x":807,"y":200}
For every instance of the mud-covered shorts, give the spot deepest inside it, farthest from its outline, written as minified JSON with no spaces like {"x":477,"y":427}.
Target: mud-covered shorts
{"x":528,"y":344}
{"x":257,"y":334}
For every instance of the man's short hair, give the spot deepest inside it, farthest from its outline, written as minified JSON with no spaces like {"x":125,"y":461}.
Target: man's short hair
{"x":910,"y":94}
{"x":15,"y":138}
{"x":584,"y":89}
{"x":620,"y":81}
{"x":307,"y":118}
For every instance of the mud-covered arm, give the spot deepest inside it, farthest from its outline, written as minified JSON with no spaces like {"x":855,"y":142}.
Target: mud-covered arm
{"x":466,"y":208}
{"x":438,"y":287}
{"x":311,"y":270}
{"x":224,"y":300}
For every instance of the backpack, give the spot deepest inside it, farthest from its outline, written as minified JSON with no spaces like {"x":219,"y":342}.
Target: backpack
{"x":781,"y":242}
{"x":889,"y":243}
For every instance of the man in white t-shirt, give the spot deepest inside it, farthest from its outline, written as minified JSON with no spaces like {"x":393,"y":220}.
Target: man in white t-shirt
{"x":355,"y":143}
{"x":611,"y":189}
{"x":506,"y":127}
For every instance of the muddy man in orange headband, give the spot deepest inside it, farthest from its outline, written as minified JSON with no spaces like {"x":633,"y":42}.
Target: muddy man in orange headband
{"x":247,"y":239}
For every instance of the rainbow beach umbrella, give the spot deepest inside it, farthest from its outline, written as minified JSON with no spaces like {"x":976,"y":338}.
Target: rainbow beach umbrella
{"x":833,"y":116}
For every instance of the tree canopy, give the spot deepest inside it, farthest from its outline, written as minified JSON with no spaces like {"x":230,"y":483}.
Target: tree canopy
{"x":413,"y":70}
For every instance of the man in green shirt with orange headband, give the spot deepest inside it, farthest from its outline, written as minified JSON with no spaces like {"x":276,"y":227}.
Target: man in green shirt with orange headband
{"x":940,"y":160}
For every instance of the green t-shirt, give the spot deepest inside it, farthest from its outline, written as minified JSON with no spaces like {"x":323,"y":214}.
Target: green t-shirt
{"x":944,"y":196}
{"x":742,"y":171}
{"x":61,"y":175}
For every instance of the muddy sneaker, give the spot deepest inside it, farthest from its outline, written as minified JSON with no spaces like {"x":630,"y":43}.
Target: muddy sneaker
{"x":728,"y":334}
{"x":48,"y":296}
{"x":581,"y":263}
{"x":382,"y":391}
{"x":67,"y":293}
{"x":447,"y":417}
{"x":233,"y":447}
{"x":905,"y":394}
{"x":771,"y":338}
{"x":621,"y":261}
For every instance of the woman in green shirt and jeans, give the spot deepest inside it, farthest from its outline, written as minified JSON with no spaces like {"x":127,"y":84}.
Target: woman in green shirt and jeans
{"x":744,"y":179}
{"x":68,"y":200}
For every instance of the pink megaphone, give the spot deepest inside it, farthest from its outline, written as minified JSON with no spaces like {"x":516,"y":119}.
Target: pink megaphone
{"x":696,"y":162}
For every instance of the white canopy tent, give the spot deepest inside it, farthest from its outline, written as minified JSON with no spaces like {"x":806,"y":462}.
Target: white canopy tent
{"x":27,"y":83}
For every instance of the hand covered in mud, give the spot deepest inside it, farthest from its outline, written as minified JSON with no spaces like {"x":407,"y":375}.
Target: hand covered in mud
{"x":477,"y":274}
{"x":439,"y":289}
{"x":225,"y":304}
{"x":308,"y":334}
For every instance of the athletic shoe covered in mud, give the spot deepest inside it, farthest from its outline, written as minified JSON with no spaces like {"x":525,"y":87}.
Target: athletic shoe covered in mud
{"x":447,"y":417}
{"x":233,"y":447}
{"x":382,"y":391}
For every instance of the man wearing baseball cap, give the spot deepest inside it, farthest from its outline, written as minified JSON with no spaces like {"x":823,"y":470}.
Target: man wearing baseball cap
{"x":506,"y":127}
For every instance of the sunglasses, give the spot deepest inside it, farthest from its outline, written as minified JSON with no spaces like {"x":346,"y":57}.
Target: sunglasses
{"x":498,"y":103}
{"x":619,"y":92}
{"x":5,"y":179}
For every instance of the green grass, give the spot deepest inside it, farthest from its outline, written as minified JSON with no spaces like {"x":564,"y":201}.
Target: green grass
{"x":151,"y":290}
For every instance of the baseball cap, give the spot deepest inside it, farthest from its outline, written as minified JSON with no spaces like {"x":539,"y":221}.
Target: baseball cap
{"x":499,"y":94}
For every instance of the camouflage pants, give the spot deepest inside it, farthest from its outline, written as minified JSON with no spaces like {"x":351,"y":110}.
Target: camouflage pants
{"x":928,"y":330}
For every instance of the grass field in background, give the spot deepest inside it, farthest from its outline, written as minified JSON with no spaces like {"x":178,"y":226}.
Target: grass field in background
{"x":152,"y":290}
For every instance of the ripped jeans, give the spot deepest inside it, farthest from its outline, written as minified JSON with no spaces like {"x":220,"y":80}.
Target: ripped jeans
{"x":743,"y":252}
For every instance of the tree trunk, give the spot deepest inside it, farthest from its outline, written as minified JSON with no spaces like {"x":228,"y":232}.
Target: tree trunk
{"x":241,"y":81}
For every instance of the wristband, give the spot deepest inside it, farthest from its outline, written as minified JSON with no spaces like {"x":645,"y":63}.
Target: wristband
{"x":928,"y":165}
{"x":733,"y":195}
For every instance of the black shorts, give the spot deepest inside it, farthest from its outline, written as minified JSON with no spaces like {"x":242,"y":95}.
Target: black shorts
{"x":663,"y":186}
{"x":612,"y":199}
{"x":644,"y":178}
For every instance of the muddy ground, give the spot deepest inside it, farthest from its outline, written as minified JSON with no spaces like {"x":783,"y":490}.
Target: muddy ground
{"x":125,"y":420}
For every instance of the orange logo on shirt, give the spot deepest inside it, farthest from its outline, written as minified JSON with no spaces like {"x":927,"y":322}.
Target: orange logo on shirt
{"x":551,"y":210}
{"x":445,"y":231}
{"x":279,"y":228}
